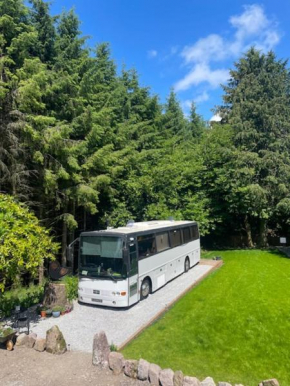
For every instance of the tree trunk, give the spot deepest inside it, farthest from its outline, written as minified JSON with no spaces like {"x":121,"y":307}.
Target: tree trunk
{"x":249,"y":232}
{"x":263,"y":242}
{"x":64,"y":244}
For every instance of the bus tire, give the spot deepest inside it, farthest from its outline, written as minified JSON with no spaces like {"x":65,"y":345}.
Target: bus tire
{"x":186,"y":265}
{"x":145,"y":288}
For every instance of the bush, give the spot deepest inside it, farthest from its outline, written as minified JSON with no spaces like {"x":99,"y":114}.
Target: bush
{"x":25,"y":297}
{"x":24,"y":244}
{"x":71,"y":286}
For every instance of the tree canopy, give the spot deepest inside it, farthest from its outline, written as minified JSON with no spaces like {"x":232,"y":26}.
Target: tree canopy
{"x":84,"y":144}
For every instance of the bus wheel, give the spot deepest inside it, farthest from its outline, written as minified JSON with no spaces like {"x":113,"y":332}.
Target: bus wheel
{"x":145,"y":288}
{"x":186,"y":265}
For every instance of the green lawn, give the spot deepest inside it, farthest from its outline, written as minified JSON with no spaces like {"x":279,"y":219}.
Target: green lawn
{"x":234,"y":326}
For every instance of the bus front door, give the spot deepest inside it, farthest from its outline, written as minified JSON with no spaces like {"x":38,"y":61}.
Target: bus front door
{"x":133,"y":272}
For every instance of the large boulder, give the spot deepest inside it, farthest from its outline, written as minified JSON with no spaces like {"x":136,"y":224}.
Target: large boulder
{"x":208,"y":381}
{"x":191,"y":381}
{"x":166,"y":377}
{"x":153,"y":374}
{"x":31,"y":339}
{"x":116,"y":362}
{"x":131,"y":368}
{"x":40,"y":345}
{"x":55,"y":342}
{"x":178,"y":378}
{"x":22,"y":340}
{"x":143,"y":370}
{"x":101,"y":350}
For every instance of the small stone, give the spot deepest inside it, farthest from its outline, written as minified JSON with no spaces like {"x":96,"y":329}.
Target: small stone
{"x":101,"y":350}
{"x":270,"y":382}
{"x":225,"y":384}
{"x":21,"y":340}
{"x":31,"y":339}
{"x":191,"y":381}
{"x":166,"y":377}
{"x":40,"y":345}
{"x":153,"y":374}
{"x":143,"y":370}
{"x":208,"y":381}
{"x":178,"y":378}
{"x":131,"y":368}
{"x":116,"y":362}
{"x":55,"y":343}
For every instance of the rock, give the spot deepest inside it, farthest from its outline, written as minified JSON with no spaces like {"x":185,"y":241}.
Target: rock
{"x":225,"y":384}
{"x":190,"y":381}
{"x":21,"y":340}
{"x":153,"y":374}
{"x":55,"y":343}
{"x":40,"y":345}
{"x":31,"y":339}
{"x":166,"y":377}
{"x":178,"y":378}
{"x":101,"y":350}
{"x":55,"y":295}
{"x":208,"y":381}
{"x":131,"y":368}
{"x":116,"y":362}
{"x":143,"y":370}
{"x":270,"y":382}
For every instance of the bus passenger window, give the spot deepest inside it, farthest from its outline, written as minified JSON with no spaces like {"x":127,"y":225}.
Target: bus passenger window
{"x":194,"y":232}
{"x":175,"y":238}
{"x":162,"y":241}
{"x":146,"y":245}
{"x":186,"y":235}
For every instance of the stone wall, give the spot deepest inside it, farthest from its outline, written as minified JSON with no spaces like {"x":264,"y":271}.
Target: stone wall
{"x":150,"y":373}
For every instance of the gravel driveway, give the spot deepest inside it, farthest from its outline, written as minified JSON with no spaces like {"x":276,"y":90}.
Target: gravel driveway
{"x":80,"y":325}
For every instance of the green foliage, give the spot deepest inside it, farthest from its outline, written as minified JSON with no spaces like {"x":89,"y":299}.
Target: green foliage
{"x":23,"y":296}
{"x":24,"y":243}
{"x":71,"y":286}
{"x":113,"y":347}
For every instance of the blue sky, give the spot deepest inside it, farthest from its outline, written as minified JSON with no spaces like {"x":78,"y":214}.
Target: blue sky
{"x":187,"y":44}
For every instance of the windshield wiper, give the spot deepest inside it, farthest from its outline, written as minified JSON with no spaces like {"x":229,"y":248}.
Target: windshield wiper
{"x":111,"y":276}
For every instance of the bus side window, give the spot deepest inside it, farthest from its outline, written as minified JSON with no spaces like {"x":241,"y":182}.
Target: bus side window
{"x":146,"y":245}
{"x":186,"y":235}
{"x":194,"y":232}
{"x":175,"y":238}
{"x":133,"y":258}
{"x":162,"y":241}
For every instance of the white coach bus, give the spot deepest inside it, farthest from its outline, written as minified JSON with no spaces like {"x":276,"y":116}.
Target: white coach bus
{"x":118,"y":267}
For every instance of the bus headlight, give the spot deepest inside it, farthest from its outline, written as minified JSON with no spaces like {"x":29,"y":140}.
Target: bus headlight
{"x":81,"y":289}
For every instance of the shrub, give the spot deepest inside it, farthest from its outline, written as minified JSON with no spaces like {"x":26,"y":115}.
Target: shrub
{"x":25,"y":297}
{"x":71,"y":285}
{"x":24,"y":244}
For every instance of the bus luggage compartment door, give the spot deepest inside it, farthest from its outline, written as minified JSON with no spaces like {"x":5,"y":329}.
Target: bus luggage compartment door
{"x":160,"y":276}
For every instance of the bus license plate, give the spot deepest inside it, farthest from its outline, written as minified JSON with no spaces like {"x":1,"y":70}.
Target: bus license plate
{"x":97,"y":300}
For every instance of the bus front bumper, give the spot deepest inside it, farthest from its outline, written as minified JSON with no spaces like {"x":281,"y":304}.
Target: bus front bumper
{"x":117,"y":301}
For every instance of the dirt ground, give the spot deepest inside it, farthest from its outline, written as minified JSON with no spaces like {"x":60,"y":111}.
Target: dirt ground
{"x":27,"y":367}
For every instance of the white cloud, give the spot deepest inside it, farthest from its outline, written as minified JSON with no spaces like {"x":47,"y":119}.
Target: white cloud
{"x":252,"y":28}
{"x":202,"y":97}
{"x":201,"y":73}
{"x":152,"y":53}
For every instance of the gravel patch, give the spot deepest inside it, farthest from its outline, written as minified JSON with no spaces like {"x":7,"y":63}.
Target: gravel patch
{"x":80,"y":325}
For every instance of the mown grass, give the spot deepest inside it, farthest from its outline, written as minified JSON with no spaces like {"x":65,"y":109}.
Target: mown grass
{"x":234,"y":326}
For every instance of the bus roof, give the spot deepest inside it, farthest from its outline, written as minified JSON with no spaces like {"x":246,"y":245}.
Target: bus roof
{"x":135,"y":227}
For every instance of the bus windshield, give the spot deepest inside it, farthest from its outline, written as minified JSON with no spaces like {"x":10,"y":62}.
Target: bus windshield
{"x":102,"y":256}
